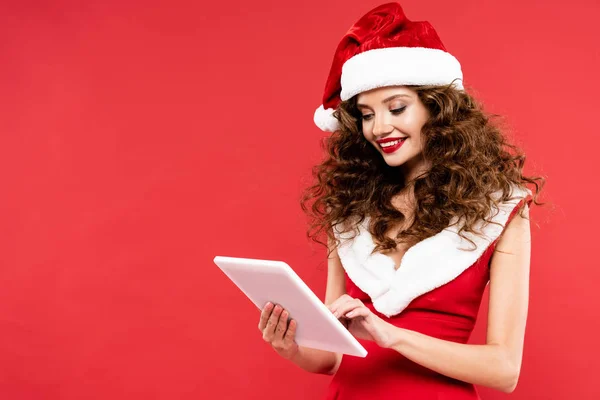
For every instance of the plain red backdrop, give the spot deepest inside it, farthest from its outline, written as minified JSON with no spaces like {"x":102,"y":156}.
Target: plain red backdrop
{"x":140,"y":139}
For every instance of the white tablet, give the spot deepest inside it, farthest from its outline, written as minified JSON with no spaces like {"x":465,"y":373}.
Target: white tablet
{"x":263,"y":281}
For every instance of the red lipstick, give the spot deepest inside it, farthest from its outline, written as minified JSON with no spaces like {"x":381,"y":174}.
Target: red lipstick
{"x":390,"y":145}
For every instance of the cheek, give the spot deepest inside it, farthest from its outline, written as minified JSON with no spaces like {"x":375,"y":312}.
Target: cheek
{"x":416,"y":136}
{"x":415,"y":133}
{"x":366,"y":132}
{"x":415,"y":123}
{"x":416,"y":119}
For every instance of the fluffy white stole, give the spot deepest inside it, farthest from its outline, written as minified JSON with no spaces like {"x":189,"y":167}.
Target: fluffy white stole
{"x":427,"y":265}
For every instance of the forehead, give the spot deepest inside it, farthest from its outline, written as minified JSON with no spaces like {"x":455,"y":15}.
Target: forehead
{"x":380,"y":94}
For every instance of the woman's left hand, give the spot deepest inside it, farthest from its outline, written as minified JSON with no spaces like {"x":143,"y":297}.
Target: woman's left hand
{"x":360,"y":321}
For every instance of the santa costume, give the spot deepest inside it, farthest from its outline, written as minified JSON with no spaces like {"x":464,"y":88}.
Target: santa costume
{"x":439,"y":285}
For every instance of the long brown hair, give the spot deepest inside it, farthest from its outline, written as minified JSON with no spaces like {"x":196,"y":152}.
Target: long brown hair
{"x":471,"y":162}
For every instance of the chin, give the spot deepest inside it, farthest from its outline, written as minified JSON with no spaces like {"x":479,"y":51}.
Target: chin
{"x":393,"y":160}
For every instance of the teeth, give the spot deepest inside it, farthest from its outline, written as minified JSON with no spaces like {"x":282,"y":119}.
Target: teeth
{"x":388,"y":144}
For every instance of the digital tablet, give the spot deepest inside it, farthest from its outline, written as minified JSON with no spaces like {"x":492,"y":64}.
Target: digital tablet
{"x":275,"y":281}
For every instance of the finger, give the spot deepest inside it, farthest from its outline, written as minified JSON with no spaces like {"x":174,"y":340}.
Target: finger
{"x":345,"y":308}
{"x":342,"y":299}
{"x":264,"y":316}
{"x":358,"y":312}
{"x":290,"y":334}
{"x":269,"y":331}
{"x":281,"y":325}
{"x":334,"y":307}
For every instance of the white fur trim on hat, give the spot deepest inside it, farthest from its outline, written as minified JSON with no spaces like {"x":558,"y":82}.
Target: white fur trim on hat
{"x":325,"y":120}
{"x":427,"y":265}
{"x":399,"y":66}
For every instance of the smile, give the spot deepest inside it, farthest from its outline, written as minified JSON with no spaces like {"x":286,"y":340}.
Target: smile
{"x":391,"y":146}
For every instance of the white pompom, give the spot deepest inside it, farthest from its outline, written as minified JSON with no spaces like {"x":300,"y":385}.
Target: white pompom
{"x":325,"y":120}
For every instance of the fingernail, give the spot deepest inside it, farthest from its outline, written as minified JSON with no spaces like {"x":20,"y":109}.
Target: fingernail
{"x":351,"y":313}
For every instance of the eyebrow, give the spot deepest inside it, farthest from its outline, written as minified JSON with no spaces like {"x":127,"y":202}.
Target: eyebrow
{"x":386,"y":100}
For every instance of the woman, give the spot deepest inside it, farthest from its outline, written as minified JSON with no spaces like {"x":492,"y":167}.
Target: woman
{"x":423,"y":203}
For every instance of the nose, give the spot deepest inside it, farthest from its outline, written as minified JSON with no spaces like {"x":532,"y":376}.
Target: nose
{"x":381,"y":127}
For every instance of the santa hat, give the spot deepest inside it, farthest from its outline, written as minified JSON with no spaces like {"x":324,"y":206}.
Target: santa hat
{"x":384,"y":48}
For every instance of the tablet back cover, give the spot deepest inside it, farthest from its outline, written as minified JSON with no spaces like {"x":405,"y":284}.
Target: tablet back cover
{"x":275,"y":281}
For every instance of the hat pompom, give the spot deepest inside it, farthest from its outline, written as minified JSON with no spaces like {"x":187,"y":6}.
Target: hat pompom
{"x":325,"y":120}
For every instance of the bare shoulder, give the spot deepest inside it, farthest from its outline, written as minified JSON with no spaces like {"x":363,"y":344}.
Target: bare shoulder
{"x":517,"y":234}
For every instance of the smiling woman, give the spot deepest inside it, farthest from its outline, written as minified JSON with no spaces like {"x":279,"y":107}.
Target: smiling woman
{"x":421,"y":201}
{"x":453,"y":163}
{"x":392,"y":118}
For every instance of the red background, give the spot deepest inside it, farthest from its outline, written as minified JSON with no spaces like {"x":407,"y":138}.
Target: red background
{"x":140,"y":139}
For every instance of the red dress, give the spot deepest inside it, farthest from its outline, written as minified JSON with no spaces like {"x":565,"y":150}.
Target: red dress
{"x":438,"y":294}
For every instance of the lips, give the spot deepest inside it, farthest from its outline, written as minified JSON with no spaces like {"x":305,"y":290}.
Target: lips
{"x":390,"y":145}
{"x":389,"y":139}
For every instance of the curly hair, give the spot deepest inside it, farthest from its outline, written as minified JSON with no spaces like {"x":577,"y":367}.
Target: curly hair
{"x":473,"y":169}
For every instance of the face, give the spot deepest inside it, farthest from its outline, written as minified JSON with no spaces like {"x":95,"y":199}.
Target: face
{"x":392,"y":118}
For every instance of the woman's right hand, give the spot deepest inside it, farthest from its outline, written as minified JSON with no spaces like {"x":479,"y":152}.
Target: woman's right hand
{"x":277,"y":331}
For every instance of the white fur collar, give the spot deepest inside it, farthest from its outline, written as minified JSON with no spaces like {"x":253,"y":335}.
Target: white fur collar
{"x":427,"y":265}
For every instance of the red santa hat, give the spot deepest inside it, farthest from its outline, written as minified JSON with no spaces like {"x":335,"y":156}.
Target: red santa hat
{"x":384,"y":48}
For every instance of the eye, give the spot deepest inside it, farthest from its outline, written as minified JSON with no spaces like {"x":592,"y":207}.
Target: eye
{"x":367,"y":117}
{"x":397,"y":111}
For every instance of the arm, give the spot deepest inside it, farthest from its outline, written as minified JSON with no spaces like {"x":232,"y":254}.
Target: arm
{"x":320,"y":361}
{"x":497,"y":363}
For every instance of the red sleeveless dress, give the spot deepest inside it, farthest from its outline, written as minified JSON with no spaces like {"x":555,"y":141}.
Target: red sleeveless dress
{"x":438,"y":295}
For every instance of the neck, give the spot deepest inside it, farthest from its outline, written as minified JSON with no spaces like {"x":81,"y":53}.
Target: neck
{"x":412,"y":169}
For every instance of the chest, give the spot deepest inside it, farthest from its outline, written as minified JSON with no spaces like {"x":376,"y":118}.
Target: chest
{"x":397,"y":254}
